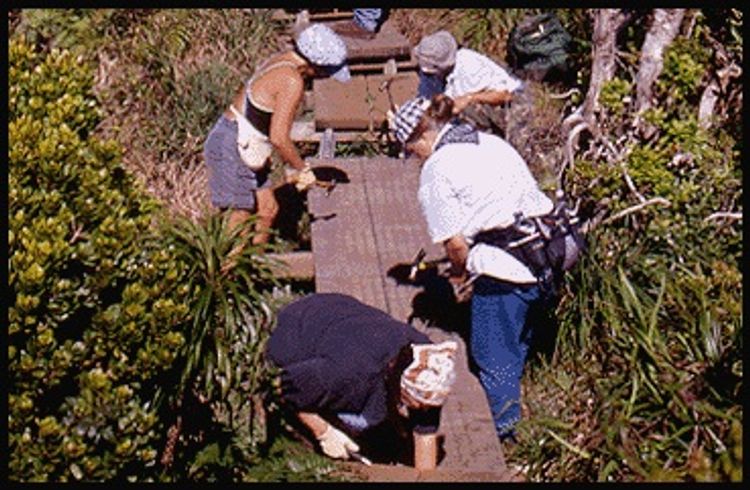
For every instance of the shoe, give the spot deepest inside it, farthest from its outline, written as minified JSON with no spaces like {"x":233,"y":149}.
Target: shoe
{"x":353,"y":30}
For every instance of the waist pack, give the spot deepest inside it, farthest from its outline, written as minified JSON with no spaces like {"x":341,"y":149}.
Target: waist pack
{"x":254,"y":146}
{"x":548,"y":245}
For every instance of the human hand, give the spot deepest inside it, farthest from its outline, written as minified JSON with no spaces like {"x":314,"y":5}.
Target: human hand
{"x":461,"y":103}
{"x":305,"y":179}
{"x":336,"y":444}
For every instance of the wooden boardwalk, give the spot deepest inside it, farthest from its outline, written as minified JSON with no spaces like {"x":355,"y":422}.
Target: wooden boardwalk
{"x":360,"y":231}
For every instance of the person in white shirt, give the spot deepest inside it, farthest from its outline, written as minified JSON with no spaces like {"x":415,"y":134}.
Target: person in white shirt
{"x":472,"y":182}
{"x":478,"y":86}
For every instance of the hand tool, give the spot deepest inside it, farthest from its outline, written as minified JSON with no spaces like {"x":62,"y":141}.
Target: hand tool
{"x":360,"y":458}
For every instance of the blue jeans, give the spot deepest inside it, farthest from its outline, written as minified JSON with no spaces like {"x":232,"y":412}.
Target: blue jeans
{"x":368,"y":19}
{"x":500,"y":342}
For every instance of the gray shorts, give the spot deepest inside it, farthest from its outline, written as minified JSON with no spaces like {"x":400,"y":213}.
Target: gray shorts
{"x":232,"y":184}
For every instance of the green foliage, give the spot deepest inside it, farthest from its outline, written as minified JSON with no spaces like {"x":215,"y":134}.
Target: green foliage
{"x":650,"y":339}
{"x":290,"y":461}
{"x":685,"y":64}
{"x":230,"y":315}
{"x":96,"y":301}
{"x":78,"y":30}
{"x":222,"y":363}
{"x":614,"y":95}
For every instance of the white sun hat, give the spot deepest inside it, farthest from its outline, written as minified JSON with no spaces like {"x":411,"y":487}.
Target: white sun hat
{"x":323,"y":47}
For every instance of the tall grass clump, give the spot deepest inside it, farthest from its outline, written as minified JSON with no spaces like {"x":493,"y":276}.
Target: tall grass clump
{"x":219,"y":420}
{"x":226,"y":423}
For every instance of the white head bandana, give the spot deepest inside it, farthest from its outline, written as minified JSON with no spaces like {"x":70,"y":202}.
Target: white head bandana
{"x":429,"y":378}
{"x":323,"y":47}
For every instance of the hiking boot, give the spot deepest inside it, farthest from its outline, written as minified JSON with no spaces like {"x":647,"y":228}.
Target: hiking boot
{"x":352,"y":30}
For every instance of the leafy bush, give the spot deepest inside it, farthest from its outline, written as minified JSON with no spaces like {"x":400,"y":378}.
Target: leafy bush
{"x":96,"y":303}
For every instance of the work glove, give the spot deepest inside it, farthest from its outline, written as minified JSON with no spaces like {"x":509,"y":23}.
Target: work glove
{"x":305,"y":179}
{"x":336,"y":444}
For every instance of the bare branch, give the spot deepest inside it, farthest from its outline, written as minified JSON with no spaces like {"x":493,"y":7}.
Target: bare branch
{"x":723,"y":215}
{"x":570,"y":146}
{"x":664,"y":28}
{"x":637,"y":207}
{"x":607,"y":23}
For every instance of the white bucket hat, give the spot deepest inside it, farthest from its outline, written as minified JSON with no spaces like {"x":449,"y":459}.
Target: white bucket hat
{"x":436,"y":52}
{"x":429,"y":378}
{"x":322,"y":47}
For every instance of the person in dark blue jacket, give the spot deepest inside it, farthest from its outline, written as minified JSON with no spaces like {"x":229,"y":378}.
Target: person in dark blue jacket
{"x":351,"y":371}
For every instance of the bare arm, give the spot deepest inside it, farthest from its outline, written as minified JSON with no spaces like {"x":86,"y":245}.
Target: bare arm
{"x":490,"y":97}
{"x":288,"y":99}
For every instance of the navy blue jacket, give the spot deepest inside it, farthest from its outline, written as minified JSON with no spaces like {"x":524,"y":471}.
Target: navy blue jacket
{"x":333,"y":351}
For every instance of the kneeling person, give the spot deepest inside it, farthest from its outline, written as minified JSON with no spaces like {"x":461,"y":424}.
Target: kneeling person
{"x":352,"y":372}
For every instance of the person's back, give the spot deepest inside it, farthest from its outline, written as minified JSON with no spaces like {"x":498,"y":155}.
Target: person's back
{"x":474,"y":72}
{"x":488,"y":183}
{"x":333,"y":349}
{"x":348,"y":367}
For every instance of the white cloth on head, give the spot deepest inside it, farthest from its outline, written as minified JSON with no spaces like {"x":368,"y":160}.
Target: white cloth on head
{"x":465,"y":188}
{"x":475,"y":72}
{"x":323,"y":47}
{"x":430,"y":376}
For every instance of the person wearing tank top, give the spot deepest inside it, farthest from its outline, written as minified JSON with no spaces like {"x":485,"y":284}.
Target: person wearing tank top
{"x":269,"y":101}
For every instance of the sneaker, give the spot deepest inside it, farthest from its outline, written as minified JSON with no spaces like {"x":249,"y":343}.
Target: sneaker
{"x":351,"y":29}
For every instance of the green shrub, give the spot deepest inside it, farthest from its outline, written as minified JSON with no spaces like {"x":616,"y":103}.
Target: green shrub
{"x":96,"y":302}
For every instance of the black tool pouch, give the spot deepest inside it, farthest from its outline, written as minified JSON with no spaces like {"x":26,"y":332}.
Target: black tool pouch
{"x":548,"y":245}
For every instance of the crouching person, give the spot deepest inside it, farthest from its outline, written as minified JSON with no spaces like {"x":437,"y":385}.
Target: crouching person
{"x":359,"y":380}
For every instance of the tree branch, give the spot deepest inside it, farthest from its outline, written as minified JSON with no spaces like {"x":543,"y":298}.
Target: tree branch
{"x":637,"y":207}
{"x":723,"y":215}
{"x":607,"y":24}
{"x":664,"y":28}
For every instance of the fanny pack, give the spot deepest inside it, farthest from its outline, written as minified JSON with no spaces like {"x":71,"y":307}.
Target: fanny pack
{"x":548,"y":245}
{"x":254,"y":146}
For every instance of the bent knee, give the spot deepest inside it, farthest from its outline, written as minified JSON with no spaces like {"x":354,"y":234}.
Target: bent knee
{"x":267,"y":208}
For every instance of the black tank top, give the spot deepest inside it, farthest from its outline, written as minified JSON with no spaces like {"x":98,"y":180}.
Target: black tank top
{"x":259,"y":118}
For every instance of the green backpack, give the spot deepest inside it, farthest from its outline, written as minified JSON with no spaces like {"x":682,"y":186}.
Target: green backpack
{"x":538,"y":47}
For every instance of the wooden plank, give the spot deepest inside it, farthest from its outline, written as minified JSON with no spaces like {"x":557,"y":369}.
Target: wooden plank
{"x":345,"y":254}
{"x":387,"y":43}
{"x":341,"y":105}
{"x":335,"y":14}
{"x":360,"y":104}
{"x":296,"y":265}
{"x":304,"y":131}
{"x":374,"y":223}
{"x":401,"y":66}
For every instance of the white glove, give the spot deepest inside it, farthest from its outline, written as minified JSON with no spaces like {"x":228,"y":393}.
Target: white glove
{"x":336,"y":444}
{"x":305,"y":179}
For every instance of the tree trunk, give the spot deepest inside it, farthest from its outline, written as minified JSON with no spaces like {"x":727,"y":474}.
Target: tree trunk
{"x":607,"y":24}
{"x":664,"y":28}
